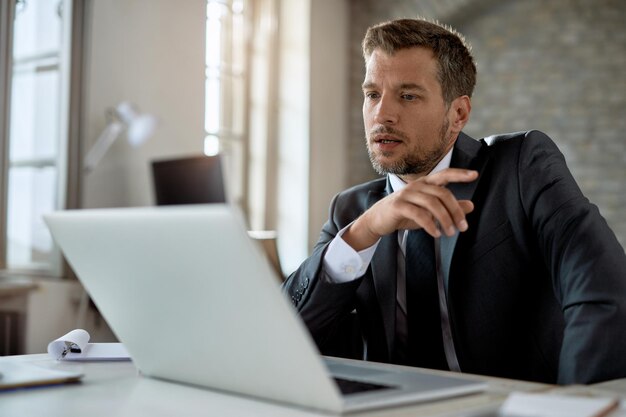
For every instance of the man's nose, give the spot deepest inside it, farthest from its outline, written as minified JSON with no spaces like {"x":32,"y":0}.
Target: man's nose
{"x":386,"y":111}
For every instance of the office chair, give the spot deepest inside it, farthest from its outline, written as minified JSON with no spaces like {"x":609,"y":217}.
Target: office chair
{"x":268,"y":241}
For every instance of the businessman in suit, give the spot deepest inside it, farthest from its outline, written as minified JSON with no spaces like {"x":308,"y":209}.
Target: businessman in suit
{"x":473,"y":256}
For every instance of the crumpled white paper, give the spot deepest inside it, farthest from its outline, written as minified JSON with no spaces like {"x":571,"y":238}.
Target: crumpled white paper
{"x":75,"y":340}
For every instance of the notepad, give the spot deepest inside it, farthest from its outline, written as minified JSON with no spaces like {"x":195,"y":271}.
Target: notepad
{"x":14,"y":374}
{"x":522,"y":404}
{"x":75,"y":346}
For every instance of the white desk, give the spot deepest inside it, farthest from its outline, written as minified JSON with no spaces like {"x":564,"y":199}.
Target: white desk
{"x":116,"y":389}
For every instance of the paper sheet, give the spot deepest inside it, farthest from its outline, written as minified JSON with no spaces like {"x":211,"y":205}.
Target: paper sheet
{"x":523,"y":404}
{"x":75,"y":346}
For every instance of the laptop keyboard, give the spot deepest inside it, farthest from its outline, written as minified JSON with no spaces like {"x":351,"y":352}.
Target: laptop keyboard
{"x":347,"y":386}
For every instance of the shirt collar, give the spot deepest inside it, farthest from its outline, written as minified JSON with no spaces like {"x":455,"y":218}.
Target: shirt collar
{"x":397,"y":184}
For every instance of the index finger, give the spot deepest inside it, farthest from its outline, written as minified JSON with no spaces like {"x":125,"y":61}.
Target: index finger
{"x":449,"y":175}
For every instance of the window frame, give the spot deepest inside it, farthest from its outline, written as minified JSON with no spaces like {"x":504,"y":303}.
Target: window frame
{"x":67,"y":159}
{"x":7,"y":12}
{"x":233,"y":145}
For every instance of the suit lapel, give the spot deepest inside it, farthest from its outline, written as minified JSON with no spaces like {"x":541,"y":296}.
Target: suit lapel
{"x":384,"y":273}
{"x":465,"y":155}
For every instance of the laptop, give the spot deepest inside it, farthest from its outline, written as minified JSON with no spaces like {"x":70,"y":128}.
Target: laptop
{"x":188,"y":180}
{"x":195,"y":301}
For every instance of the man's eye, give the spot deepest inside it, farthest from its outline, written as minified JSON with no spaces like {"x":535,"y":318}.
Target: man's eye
{"x":371,"y":95}
{"x":409,"y":97}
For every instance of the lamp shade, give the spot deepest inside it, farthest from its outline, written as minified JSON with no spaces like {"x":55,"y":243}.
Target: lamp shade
{"x":140,"y":126}
{"x":125,"y":116}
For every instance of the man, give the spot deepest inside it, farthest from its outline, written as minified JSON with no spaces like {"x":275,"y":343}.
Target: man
{"x":474,"y":256}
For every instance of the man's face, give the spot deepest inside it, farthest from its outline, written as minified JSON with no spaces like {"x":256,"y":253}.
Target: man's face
{"x":407,"y":122}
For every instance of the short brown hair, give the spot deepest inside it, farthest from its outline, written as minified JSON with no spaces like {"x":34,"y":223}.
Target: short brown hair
{"x":457,"y":70}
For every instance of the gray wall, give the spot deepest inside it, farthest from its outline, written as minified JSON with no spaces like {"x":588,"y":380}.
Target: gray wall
{"x":558,"y":66}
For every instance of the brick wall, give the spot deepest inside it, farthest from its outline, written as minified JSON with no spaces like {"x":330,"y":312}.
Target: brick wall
{"x":558,"y":66}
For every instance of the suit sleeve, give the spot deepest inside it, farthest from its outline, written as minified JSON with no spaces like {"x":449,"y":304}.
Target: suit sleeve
{"x":320,"y":302}
{"x":587,"y":263}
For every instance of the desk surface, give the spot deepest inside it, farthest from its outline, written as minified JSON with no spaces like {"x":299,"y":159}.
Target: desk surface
{"x":117,"y":389}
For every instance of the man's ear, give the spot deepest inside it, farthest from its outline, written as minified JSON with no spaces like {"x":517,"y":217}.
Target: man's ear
{"x":460,"y":110}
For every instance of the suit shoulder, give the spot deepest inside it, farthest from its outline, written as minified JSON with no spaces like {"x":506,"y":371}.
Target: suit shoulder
{"x":515,"y":138}
{"x":527,"y":142}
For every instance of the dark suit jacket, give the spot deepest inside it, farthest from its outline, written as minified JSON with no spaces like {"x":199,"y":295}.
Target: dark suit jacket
{"x":536,"y":287}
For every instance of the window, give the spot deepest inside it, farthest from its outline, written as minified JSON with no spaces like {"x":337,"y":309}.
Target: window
{"x":226,"y":90}
{"x":36,"y":143}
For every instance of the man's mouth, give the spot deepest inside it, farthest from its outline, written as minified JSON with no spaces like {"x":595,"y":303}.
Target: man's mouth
{"x":386,"y":140}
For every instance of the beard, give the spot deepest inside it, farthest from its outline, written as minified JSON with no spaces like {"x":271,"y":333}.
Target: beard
{"x":418,"y":161}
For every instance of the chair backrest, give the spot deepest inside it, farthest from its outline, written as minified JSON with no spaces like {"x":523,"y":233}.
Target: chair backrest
{"x":268,"y":241}
{"x":189,"y":180}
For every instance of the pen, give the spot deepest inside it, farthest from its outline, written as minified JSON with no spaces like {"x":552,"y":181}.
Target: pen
{"x":69,"y":347}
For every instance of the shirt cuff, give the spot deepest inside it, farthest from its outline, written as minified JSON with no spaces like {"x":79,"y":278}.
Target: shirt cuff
{"x":342,"y":263}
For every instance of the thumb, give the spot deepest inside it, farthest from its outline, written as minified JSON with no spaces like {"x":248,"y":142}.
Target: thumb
{"x":467,"y":206}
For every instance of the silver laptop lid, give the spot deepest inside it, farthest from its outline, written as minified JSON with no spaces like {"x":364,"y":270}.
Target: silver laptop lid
{"x":171,"y":282}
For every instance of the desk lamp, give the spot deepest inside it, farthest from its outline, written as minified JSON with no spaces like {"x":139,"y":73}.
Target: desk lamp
{"x":139,"y":127}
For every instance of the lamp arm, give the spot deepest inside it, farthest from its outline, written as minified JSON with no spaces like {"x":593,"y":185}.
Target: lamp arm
{"x":102,"y":145}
